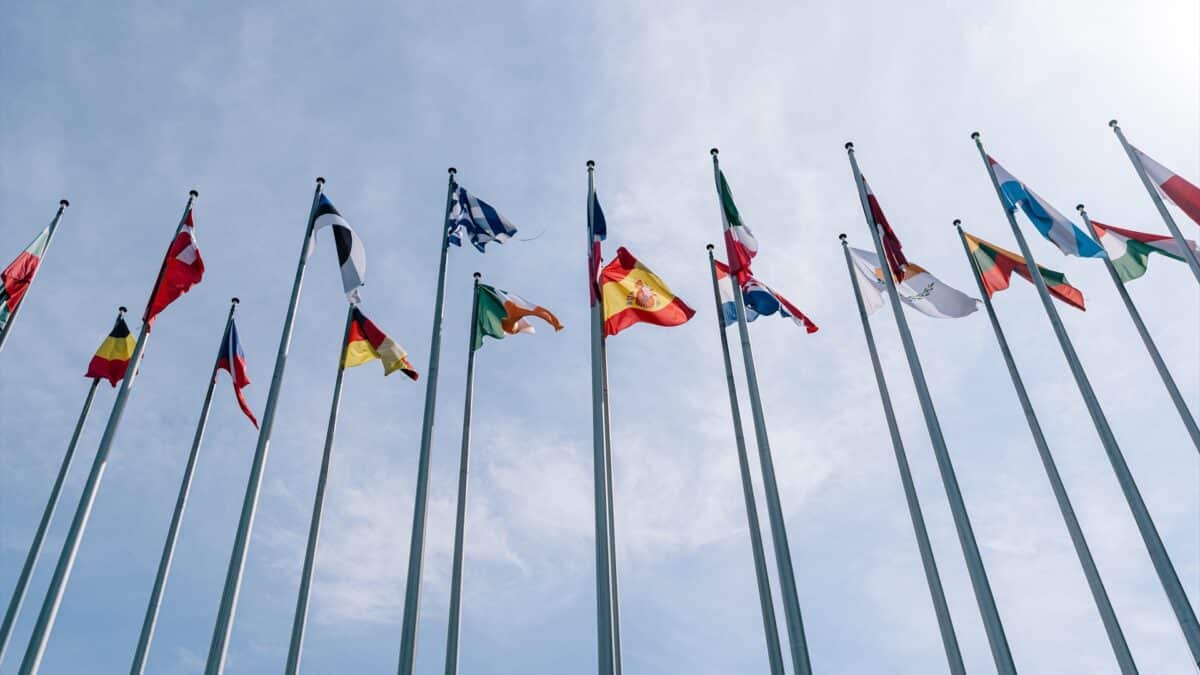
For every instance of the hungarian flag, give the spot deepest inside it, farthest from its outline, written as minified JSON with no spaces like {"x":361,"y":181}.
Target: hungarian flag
{"x":996,"y":266}
{"x":502,"y":314}
{"x":366,"y":342}
{"x":891,"y":243}
{"x":759,"y":300}
{"x":16,"y":278}
{"x":631,"y":294}
{"x":740,"y":244}
{"x":112,"y":358}
{"x":1185,"y":195}
{"x":181,"y":269}
{"x":917,"y":288}
{"x":1049,"y":222}
{"x":231,"y":358}
{"x":1130,"y":251}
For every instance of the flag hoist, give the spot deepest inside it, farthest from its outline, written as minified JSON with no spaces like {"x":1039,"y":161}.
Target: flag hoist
{"x":997,"y":640}
{"x":1141,"y":515}
{"x":181,"y":269}
{"x":16,"y":279}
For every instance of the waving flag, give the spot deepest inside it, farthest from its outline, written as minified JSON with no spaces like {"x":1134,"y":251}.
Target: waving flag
{"x":366,"y":343}
{"x":1130,"y":251}
{"x":112,"y":358}
{"x":918,"y":289}
{"x":1053,"y":225}
{"x":1173,"y":186}
{"x":760,"y":300}
{"x":352,"y":257}
{"x":631,"y":294}
{"x":477,"y":220}
{"x":996,"y":266}
{"x":181,"y":269}
{"x":891,"y":243}
{"x":599,"y":233}
{"x":740,"y":244}
{"x":231,"y":358}
{"x":502,"y":314}
{"x":16,"y":278}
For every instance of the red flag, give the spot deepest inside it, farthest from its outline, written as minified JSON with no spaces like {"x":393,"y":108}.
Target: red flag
{"x":891,"y":243}
{"x":182,"y":269}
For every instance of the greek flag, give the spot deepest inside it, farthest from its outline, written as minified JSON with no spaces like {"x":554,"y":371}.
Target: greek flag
{"x":477,"y":220}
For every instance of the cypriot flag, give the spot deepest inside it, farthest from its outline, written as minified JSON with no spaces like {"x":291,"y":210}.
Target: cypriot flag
{"x":918,"y":289}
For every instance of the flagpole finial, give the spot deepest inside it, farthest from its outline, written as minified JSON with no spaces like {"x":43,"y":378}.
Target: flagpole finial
{"x":709,"y":247}
{"x":122,"y":309}
{"x":974,"y":135}
{"x":714,"y":152}
{"x":477,"y":275}
{"x":1112,"y":123}
{"x":1079,"y":208}
{"x":842,"y":237}
{"x":64,"y":203}
{"x":849,"y":145}
{"x":320,"y":180}
{"x":452,"y":171}
{"x":234,"y":300}
{"x":957,"y":222}
{"x":591,"y":164}
{"x":193,"y":194}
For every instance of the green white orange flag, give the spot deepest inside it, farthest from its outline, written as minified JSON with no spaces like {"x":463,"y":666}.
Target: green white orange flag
{"x":365,"y":343}
{"x":16,"y":278}
{"x":996,"y":266}
{"x":502,"y":314}
{"x":1130,"y":251}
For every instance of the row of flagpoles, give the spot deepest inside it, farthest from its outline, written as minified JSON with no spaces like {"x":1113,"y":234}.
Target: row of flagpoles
{"x":623,"y":293}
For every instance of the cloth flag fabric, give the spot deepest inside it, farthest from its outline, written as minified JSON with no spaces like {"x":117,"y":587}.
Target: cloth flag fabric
{"x":112,"y":358}
{"x":477,"y":220}
{"x":760,"y":300}
{"x":1053,"y":225}
{"x":1130,"y":251}
{"x":740,"y":244}
{"x":502,"y":314}
{"x":632,"y":294}
{"x":181,"y":269}
{"x":599,"y":234}
{"x":231,"y":358}
{"x":996,"y":266}
{"x":918,"y":289}
{"x":892,"y":248}
{"x":1171,"y":185}
{"x":16,"y":278}
{"x":366,"y":342}
{"x":352,"y":256}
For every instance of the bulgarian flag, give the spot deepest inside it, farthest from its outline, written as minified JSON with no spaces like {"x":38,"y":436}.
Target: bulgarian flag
{"x":996,"y":266}
{"x":631,"y":294}
{"x":1130,"y":251}
{"x":501,"y":314}
{"x":112,"y":358}
{"x":365,"y":343}
{"x":181,"y":269}
{"x":1185,"y":195}
{"x":16,"y":278}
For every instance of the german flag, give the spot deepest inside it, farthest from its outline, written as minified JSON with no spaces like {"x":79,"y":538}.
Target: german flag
{"x":365,"y":342}
{"x":112,"y":358}
{"x":631,"y":294}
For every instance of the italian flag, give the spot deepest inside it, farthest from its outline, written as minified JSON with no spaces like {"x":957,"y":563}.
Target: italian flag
{"x":16,"y":278}
{"x":501,"y":314}
{"x":1130,"y":251}
{"x":996,"y":266}
{"x":1185,"y":195}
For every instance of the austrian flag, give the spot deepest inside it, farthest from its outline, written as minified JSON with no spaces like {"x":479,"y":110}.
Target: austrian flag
{"x":182,"y":269}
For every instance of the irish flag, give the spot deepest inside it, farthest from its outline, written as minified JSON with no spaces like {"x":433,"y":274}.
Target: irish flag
{"x":16,"y":278}
{"x":996,"y":266}
{"x":502,"y":314}
{"x":1185,"y":195}
{"x":1130,"y":251}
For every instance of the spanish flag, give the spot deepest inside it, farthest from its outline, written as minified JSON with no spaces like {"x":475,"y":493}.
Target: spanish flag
{"x":633,"y":294}
{"x":365,"y":342}
{"x":112,"y":358}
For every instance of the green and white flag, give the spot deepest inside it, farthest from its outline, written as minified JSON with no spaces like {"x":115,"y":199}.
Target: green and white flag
{"x":1130,"y":251}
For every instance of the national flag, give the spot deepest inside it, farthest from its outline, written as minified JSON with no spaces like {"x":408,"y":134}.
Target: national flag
{"x":996,"y":266}
{"x":599,"y":233}
{"x":181,"y":269}
{"x":1053,"y":225}
{"x":759,"y":300}
{"x":1130,"y":251}
{"x":631,"y":294}
{"x":918,"y":289}
{"x":740,"y":244}
{"x":891,"y":243}
{"x":365,"y":342}
{"x":16,"y":278}
{"x":1173,"y":186}
{"x":477,"y":220}
{"x":231,"y":358}
{"x":352,"y":256}
{"x":502,"y":314}
{"x":112,"y":358}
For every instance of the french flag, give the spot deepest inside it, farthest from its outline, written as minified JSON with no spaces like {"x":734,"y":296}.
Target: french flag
{"x":1185,"y":195}
{"x":760,"y":301}
{"x":231,"y":358}
{"x":599,"y":233}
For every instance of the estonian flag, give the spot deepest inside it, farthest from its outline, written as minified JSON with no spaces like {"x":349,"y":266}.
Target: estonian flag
{"x":351,"y":255}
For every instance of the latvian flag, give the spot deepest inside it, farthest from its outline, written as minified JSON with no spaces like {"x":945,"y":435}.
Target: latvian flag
{"x":477,"y":220}
{"x":16,"y":278}
{"x":1130,"y":251}
{"x":231,"y":358}
{"x":352,"y":257}
{"x":891,"y":243}
{"x":759,"y":300}
{"x":740,"y":244}
{"x":1185,"y":195}
{"x":182,"y":269}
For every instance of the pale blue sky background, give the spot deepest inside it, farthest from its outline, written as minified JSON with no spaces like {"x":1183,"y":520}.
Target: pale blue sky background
{"x":124,"y":108}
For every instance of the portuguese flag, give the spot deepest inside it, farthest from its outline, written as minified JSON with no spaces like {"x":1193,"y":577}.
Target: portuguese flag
{"x":365,"y":343}
{"x":16,"y":278}
{"x":1130,"y":251}
{"x":996,"y":266}
{"x":112,"y":358}
{"x":502,"y":314}
{"x":631,"y":294}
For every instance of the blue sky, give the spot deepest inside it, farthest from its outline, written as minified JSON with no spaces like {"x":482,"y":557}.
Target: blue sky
{"x":123,"y":109}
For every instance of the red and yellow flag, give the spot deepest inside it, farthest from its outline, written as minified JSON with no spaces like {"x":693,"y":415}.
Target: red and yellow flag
{"x":631,"y":294}
{"x":112,"y":358}
{"x":366,"y":342}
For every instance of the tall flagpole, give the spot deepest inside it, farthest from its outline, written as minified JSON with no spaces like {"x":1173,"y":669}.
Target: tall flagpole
{"x":39,"y":537}
{"x":612,"y":520}
{"x":460,"y":516}
{"x":185,"y":488}
{"x":66,"y":559}
{"x":783,"y":553}
{"x":1116,"y":637}
{"x":314,"y":526}
{"x":62,"y":206}
{"x":762,"y":576}
{"x":1151,"y":348}
{"x":416,"y":548}
{"x":1141,"y":515}
{"x":237,"y":559}
{"x":604,"y":599}
{"x":1188,"y":255}
{"x":997,"y":640}
{"x":941,"y":609}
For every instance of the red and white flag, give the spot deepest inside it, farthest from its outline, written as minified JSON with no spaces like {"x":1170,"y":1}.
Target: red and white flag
{"x":182,"y":269}
{"x":1185,"y":195}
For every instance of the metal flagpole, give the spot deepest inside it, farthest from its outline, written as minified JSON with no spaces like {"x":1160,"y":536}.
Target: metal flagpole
{"x":185,"y":488}
{"x":66,"y":559}
{"x":765,"y":601}
{"x":1108,"y":615}
{"x":612,"y":520}
{"x":314,"y":526}
{"x":604,"y":599}
{"x":62,"y":206}
{"x":997,"y":640}
{"x":460,"y":517}
{"x":35,"y":549}
{"x":941,"y":608}
{"x":1158,"y":201}
{"x":237,"y":559}
{"x":1141,"y":515}
{"x":1151,"y":348}
{"x":783,"y":553}
{"x":416,"y":548}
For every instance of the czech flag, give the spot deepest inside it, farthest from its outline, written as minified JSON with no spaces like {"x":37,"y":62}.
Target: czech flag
{"x":631,"y":294}
{"x":112,"y":358}
{"x":1173,"y":186}
{"x":232,"y":359}
{"x":366,"y":342}
{"x":181,"y":270}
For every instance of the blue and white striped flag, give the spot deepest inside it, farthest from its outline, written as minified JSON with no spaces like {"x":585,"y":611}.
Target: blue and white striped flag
{"x":478,"y":220}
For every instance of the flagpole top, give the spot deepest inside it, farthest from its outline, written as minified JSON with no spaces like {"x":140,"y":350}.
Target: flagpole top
{"x":591,"y":164}
{"x":1079,"y":208}
{"x":842,"y":237}
{"x":974,"y":135}
{"x":1112,"y":123}
{"x":234,"y":300}
{"x":193,"y":194}
{"x":714,"y":152}
{"x":957,"y":222}
{"x":64,"y":203}
{"x":477,"y":276}
{"x":122,"y":309}
{"x":451,"y":171}
{"x":849,"y":145}
{"x":708,"y":247}
{"x":320,"y":180}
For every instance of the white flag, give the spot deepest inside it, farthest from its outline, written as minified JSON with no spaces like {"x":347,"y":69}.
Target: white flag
{"x":919,"y":289}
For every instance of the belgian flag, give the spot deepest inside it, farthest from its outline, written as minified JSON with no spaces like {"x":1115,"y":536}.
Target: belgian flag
{"x":112,"y":358}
